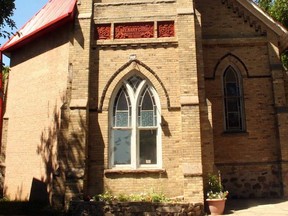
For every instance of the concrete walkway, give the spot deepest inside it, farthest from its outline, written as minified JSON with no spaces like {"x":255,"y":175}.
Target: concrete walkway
{"x":257,"y":207}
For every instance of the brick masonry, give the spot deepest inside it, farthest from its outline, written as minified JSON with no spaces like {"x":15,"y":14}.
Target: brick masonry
{"x":134,"y":208}
{"x":38,"y":87}
{"x":63,"y":130}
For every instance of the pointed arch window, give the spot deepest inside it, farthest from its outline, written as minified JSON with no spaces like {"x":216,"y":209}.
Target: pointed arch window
{"x":135,"y":133}
{"x":233,"y":101}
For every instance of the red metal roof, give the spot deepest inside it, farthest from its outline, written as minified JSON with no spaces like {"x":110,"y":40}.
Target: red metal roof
{"x":53,"y":14}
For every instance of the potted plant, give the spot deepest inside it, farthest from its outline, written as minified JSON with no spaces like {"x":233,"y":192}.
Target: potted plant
{"x":216,"y":196}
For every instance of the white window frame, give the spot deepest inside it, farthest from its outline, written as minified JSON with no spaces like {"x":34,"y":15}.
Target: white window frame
{"x":135,"y":142}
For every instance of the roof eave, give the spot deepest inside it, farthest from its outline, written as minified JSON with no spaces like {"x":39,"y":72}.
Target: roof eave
{"x":267,"y":20}
{"x":5,"y":49}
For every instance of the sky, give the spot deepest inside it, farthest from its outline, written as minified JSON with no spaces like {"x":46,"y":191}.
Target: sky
{"x":24,"y":11}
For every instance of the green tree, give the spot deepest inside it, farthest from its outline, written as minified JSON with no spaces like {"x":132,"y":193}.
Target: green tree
{"x":7,"y":8}
{"x":278,"y":10}
{"x":5,"y":75}
{"x":264,"y":4}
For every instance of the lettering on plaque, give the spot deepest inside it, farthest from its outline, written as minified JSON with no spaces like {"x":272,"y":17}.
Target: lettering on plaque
{"x":134,"y":30}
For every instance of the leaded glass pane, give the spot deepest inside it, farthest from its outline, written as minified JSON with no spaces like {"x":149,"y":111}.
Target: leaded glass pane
{"x":148,"y":150}
{"x":232,"y":99}
{"x":122,"y":147}
{"x":147,"y":109}
{"x":230,"y":76}
{"x":147,"y":118}
{"x":122,"y":109}
{"x":232,"y":105}
{"x":134,"y":82}
{"x":122,"y":119}
{"x":122,"y":101}
{"x":231,"y":89}
{"x":147,"y":103}
{"x":234,"y":120}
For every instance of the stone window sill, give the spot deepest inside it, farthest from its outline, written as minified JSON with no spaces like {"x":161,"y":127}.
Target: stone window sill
{"x":124,"y":43}
{"x":137,"y":171}
{"x":235,"y":133}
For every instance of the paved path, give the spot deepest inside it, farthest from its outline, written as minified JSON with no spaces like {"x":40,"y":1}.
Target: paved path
{"x":257,"y":207}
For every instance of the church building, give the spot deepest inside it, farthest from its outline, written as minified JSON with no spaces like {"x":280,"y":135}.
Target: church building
{"x":133,"y":96}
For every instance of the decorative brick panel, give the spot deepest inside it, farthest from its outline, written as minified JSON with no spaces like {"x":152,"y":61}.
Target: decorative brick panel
{"x":165,"y":29}
{"x":134,"y":30}
{"x":103,"y":31}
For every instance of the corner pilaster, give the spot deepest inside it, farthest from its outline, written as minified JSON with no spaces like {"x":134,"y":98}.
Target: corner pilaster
{"x":281,"y":109}
{"x":189,"y":99}
{"x":71,"y":177}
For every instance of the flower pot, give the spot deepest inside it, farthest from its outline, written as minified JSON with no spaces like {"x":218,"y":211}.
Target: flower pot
{"x":216,"y":206}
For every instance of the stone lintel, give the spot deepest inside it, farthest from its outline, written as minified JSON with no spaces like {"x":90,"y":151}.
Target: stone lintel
{"x":189,"y":100}
{"x":192,"y":169}
{"x":185,"y":11}
{"x":78,"y":104}
{"x":85,"y":16}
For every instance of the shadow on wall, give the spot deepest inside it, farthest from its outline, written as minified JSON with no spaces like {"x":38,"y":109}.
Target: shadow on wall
{"x":2,"y":175}
{"x":47,"y":151}
{"x":62,"y":150}
{"x":18,"y":194}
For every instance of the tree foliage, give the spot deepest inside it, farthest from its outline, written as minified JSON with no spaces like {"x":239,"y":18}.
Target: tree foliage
{"x":264,"y":4}
{"x":5,"y":74}
{"x":278,"y":10}
{"x":7,"y":8}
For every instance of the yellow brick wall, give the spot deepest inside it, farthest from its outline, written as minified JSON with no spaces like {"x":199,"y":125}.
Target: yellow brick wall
{"x":188,"y":66}
{"x":37,"y":87}
{"x":231,"y":37}
{"x":173,"y":60}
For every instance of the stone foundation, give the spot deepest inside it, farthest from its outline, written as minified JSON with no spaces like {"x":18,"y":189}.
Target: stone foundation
{"x":134,"y":208}
{"x":252,"y":181}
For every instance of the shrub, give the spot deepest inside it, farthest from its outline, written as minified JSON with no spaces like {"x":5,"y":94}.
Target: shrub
{"x":143,"y":197}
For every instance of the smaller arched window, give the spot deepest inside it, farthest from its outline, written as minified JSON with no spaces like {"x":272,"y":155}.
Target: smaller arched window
{"x":135,"y":133}
{"x":233,"y":101}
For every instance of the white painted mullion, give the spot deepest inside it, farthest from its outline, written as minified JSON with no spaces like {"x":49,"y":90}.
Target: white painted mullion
{"x":137,"y":98}
{"x":159,"y":131}
{"x":133,"y":126}
{"x":111,"y":124}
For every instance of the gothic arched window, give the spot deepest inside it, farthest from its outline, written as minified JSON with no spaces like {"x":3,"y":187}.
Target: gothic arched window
{"x":233,"y":101}
{"x":135,"y":131}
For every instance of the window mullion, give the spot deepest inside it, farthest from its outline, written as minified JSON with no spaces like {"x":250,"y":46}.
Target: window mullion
{"x":133,"y":126}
